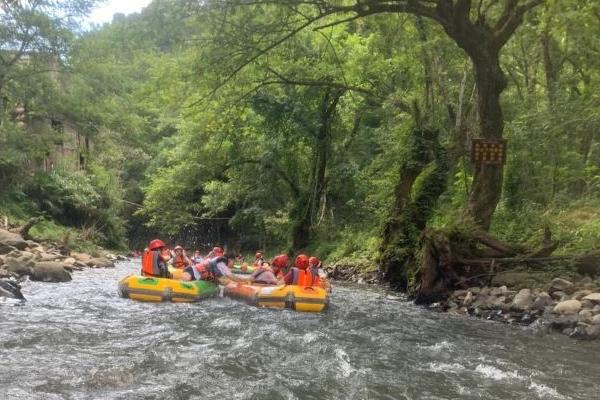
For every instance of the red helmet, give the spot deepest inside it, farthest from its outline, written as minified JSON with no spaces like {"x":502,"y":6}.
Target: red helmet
{"x":280,"y":261}
{"x":218,"y":251}
{"x":302,"y":261}
{"x":257,"y":255}
{"x":156,"y":244}
{"x":313,"y":261}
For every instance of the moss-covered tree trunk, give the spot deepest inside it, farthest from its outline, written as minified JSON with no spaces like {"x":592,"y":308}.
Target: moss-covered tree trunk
{"x":427,"y":161}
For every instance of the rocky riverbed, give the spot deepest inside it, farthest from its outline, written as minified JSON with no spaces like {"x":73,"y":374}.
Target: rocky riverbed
{"x":565,"y":306}
{"x":47,"y":262}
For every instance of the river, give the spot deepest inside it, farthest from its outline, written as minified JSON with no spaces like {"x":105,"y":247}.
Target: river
{"x":79,"y":340}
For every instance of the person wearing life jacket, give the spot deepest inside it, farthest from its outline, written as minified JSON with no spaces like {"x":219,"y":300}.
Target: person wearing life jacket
{"x":217,"y":269}
{"x":280,"y":264}
{"x":264,"y":274}
{"x":154,"y":260}
{"x":315,"y":269}
{"x":299,"y":274}
{"x":258,"y":259}
{"x":215,"y":252}
{"x":180,"y":260}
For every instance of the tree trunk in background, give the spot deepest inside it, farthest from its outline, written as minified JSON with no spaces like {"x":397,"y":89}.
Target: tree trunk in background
{"x":411,"y":210}
{"x":308,"y":205}
{"x":487,"y":179}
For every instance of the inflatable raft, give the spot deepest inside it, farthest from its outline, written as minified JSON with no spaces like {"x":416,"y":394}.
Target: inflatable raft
{"x":299,"y":298}
{"x":143,"y":288}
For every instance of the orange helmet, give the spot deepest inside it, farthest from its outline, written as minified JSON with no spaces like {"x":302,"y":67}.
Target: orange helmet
{"x":218,"y":251}
{"x":156,"y":244}
{"x":313,"y":261}
{"x":280,"y":261}
{"x":301,"y":261}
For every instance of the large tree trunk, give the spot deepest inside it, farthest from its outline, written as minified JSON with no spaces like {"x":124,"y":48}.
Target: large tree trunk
{"x":487,"y":179}
{"x":411,"y":210}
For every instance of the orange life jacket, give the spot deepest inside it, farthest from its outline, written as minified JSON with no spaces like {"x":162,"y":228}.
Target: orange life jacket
{"x":301,"y":277}
{"x":151,"y":263}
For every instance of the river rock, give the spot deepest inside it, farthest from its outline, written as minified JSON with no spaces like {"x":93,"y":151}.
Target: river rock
{"x":580,"y":294}
{"x":5,"y":248}
{"x":567,"y":307}
{"x":562,"y":285}
{"x":593,"y":297}
{"x":542,"y":301}
{"x":11,"y":289}
{"x":562,"y":322}
{"x":587,"y":304}
{"x":596,"y":320}
{"x":12,"y":239}
{"x":50,"y":271}
{"x":468,"y":299}
{"x":522,"y":300}
{"x":585,"y":316}
{"x":100,"y":262}
{"x":596,"y":309}
{"x":17,"y":267}
{"x":81,"y":256}
{"x":559,"y":296}
{"x":474,"y":290}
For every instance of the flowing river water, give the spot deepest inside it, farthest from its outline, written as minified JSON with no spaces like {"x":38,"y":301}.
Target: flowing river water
{"x":79,"y":340}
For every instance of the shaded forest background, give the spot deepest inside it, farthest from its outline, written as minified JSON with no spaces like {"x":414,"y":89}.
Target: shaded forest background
{"x":223,"y":122}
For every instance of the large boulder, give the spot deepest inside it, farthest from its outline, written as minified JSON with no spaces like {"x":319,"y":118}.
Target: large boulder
{"x":50,"y":271}
{"x":10,"y":289}
{"x":12,"y":239}
{"x":593,"y":297}
{"x":17,"y":267}
{"x":523,"y":300}
{"x":100,"y":262}
{"x":542,"y":301}
{"x":567,"y":307}
{"x":561,"y":285}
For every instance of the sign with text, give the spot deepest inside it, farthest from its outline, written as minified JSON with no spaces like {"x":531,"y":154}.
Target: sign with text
{"x":488,"y":151}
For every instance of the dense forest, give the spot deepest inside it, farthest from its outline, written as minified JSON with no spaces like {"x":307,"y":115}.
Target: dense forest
{"x":341,"y":127}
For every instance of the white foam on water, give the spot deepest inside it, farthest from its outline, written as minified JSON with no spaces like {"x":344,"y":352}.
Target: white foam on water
{"x":545,"y":392}
{"x":310,"y":337}
{"x":491,"y":372}
{"x":344,"y":363}
{"x":226,"y":323}
{"x":454,"y":368}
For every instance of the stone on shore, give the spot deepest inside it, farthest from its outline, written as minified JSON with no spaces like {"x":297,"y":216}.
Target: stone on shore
{"x":17,"y":267}
{"x":523,"y":300}
{"x":5,"y":248}
{"x":562,"y":285}
{"x":593,"y":297}
{"x":84,"y":258}
{"x":596,"y":319}
{"x":50,"y":271}
{"x":100,"y":262}
{"x":12,"y":239}
{"x":567,"y":307}
{"x":542,"y":301}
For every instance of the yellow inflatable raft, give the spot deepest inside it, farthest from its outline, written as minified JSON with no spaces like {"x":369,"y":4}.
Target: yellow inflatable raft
{"x":299,"y":298}
{"x":143,"y":288}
